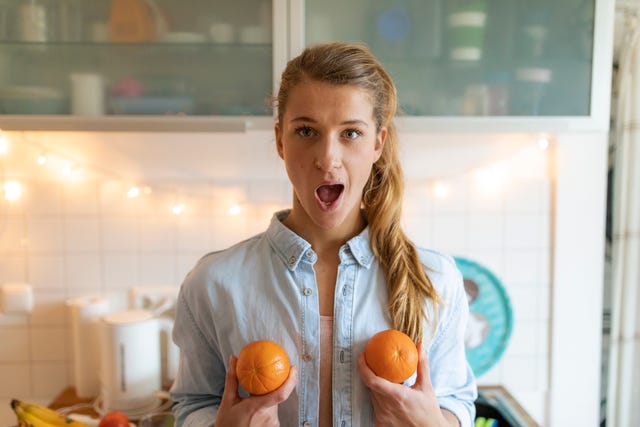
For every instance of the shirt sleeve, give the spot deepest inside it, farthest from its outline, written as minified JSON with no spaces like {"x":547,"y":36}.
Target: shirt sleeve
{"x":199,"y":383}
{"x":451,"y":374}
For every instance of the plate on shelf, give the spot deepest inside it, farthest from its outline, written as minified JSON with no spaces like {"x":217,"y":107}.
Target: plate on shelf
{"x":32,"y":100}
{"x":490,"y":316}
{"x":151,"y":105}
{"x":182,"y":37}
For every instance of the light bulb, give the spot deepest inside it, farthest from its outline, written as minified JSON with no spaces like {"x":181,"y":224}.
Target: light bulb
{"x":12,"y":190}
{"x":178,"y":209}
{"x":543,"y":143}
{"x":441,"y":189}
{"x":490,"y":180}
{"x":235,"y":210}
{"x":133,"y":192}
{"x":72,"y":169}
{"x":42,"y":159}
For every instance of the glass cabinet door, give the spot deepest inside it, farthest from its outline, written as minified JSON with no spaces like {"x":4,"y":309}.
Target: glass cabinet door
{"x":135,"y":57}
{"x":472,"y":57}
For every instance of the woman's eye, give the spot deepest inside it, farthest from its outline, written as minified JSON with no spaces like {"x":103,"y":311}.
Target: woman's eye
{"x":305,"y":131}
{"x":352,"y":133}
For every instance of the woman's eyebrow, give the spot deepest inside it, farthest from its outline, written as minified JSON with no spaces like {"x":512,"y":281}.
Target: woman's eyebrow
{"x":302,"y":119}
{"x":355,"y":122}
{"x":346,"y":122}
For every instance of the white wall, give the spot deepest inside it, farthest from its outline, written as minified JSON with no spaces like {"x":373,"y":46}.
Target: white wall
{"x":578,"y":277}
{"x":87,"y":237}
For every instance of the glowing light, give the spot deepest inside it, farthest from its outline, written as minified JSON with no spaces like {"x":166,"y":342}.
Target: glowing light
{"x":490,"y":180}
{"x":235,"y":210}
{"x":72,"y":169}
{"x":12,"y":190}
{"x":441,"y":189}
{"x":42,"y":159}
{"x":133,"y":192}
{"x":178,"y":209}
{"x":543,"y":143}
{"x":4,"y":144}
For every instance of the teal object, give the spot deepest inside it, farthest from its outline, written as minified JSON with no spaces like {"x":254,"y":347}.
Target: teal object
{"x":491,"y":316}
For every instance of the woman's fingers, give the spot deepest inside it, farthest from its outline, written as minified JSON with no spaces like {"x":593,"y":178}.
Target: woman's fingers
{"x":372,"y":381}
{"x":380,"y":385}
{"x":230,"y":394}
{"x":367,"y":375}
{"x":423,"y":379}
{"x":282,"y":393}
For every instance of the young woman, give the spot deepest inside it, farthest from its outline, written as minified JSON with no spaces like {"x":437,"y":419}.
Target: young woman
{"x":328,"y":274}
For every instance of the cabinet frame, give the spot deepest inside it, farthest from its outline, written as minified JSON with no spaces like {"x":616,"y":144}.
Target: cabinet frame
{"x":600,"y":100}
{"x":168,"y":123}
{"x":288,"y":18}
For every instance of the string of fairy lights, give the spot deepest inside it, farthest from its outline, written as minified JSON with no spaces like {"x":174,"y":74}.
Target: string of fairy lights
{"x":490,"y":178}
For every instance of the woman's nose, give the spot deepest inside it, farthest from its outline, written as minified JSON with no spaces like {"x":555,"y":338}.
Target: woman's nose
{"x":328,"y":156}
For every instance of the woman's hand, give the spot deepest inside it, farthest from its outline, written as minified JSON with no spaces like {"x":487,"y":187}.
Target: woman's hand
{"x":399,"y":405}
{"x":235,"y":411}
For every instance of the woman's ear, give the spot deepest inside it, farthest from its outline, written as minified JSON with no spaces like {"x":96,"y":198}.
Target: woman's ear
{"x":381,"y":138}
{"x":278,"y":134}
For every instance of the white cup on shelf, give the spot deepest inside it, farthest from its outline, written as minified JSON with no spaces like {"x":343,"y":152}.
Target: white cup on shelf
{"x":254,"y":34}
{"x":87,"y":94}
{"x":221,"y":32}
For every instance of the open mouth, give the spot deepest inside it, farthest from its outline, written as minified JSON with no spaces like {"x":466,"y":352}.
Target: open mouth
{"x":327,"y":194}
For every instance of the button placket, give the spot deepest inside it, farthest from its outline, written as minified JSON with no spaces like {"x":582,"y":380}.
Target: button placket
{"x":343,"y":315}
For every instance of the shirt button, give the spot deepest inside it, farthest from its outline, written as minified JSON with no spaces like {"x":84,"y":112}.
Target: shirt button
{"x":307,"y":291}
{"x":306,"y":357}
{"x":308,"y":254}
{"x":292,"y":260}
{"x":307,"y":424}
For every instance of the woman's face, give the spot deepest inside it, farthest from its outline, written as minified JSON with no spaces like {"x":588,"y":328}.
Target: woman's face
{"x":329,"y":142}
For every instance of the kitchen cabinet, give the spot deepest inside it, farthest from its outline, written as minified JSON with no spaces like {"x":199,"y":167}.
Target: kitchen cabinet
{"x":482,"y":64}
{"x":199,"y":65}
{"x":136,"y":64}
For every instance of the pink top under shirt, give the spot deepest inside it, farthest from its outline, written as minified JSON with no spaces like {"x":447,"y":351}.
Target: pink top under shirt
{"x":326,"y":362}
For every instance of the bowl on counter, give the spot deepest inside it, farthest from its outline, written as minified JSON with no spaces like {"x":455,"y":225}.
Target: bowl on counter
{"x":32,"y":100}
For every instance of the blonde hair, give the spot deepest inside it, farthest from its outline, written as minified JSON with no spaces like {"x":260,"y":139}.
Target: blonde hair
{"x":352,"y":64}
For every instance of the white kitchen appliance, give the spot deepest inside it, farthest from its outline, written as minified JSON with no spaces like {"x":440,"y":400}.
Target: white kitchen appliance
{"x":85,"y":315}
{"x":130,"y":365}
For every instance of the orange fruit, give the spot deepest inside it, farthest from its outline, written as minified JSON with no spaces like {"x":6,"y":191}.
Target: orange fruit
{"x":262,"y":367}
{"x":392,"y":355}
{"x":114,"y":419}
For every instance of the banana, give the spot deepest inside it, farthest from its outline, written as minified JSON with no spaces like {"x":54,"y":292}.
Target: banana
{"x":27,"y":419}
{"x":31,"y":414}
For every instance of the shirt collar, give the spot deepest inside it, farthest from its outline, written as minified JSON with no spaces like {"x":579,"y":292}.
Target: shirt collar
{"x":360,"y":247}
{"x":291,"y":248}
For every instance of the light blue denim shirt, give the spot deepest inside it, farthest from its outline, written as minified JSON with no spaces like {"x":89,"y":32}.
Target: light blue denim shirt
{"x":265,"y":288}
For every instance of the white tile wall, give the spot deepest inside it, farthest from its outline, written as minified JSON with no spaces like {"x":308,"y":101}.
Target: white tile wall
{"x":83,"y":238}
